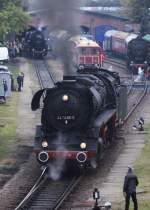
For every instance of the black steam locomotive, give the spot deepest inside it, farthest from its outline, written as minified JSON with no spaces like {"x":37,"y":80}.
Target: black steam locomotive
{"x":138,"y":53}
{"x":34,"y":43}
{"x":79,"y":117}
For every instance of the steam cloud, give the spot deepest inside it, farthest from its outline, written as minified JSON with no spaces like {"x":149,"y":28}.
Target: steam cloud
{"x":60,"y":14}
{"x":57,"y":167}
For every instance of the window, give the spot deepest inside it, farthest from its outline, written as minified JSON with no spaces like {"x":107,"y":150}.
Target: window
{"x":83,"y":51}
{"x":94,"y":51}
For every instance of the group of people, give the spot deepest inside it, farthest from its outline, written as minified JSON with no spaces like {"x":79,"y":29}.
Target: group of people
{"x":20,"y":81}
{"x":14,"y":49}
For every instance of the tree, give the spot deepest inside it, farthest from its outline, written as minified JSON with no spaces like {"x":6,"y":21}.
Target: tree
{"x":136,"y":9}
{"x":12,"y":18}
{"x":4,"y":3}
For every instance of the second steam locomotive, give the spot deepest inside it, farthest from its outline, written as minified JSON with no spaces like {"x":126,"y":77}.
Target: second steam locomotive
{"x":138,"y":54}
{"x":34,"y":43}
{"x":79,"y":117}
{"x":132,"y":47}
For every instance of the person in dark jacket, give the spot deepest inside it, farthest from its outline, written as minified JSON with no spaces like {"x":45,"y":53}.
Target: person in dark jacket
{"x":129,"y":189}
{"x":19,"y":81}
{"x":22,"y":79}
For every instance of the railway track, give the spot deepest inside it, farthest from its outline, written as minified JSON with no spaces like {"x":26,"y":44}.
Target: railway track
{"x":48,"y":194}
{"x":135,"y":96}
{"x":117,"y":62}
{"x":120,"y":67}
{"x":45,"y":77}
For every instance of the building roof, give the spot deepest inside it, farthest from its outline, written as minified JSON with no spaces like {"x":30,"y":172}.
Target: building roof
{"x":116,"y":13}
{"x":81,"y":41}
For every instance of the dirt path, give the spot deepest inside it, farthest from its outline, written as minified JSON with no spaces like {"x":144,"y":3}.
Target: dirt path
{"x":27,"y":119}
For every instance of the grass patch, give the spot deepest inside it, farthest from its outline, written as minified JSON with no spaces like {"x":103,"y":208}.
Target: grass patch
{"x":142,"y":169}
{"x":8,"y":118}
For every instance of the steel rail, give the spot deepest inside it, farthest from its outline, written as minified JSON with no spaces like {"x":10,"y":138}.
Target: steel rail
{"x":138,"y":102}
{"x":67,"y":192}
{"x":33,"y":189}
{"x":28,"y":201}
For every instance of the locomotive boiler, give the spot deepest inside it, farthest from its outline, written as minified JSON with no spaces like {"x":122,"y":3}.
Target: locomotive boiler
{"x":79,"y":117}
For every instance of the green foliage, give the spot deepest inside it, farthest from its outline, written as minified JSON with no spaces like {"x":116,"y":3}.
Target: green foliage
{"x":12,"y":18}
{"x":4,"y":3}
{"x":136,"y":8}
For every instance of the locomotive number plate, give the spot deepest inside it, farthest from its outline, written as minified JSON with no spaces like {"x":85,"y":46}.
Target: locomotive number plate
{"x":68,"y":117}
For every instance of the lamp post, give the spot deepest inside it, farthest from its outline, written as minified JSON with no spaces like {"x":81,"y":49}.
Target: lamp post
{"x":96,"y":197}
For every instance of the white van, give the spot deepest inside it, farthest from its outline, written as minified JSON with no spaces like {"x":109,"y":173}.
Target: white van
{"x":4,"y":56}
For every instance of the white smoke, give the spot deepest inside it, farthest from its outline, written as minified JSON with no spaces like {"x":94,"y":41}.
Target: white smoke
{"x":57,"y":167}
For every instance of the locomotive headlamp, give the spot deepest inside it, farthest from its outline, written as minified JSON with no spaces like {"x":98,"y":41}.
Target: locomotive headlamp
{"x":44,"y":144}
{"x":65,"y":98}
{"x":131,"y":63}
{"x":83,"y":145}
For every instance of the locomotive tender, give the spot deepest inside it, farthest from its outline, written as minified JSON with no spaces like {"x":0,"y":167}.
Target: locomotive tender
{"x":79,"y":117}
{"x":35,"y":44}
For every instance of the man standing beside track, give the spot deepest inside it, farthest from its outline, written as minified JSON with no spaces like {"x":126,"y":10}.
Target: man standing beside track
{"x":129,"y":189}
{"x":19,"y":81}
